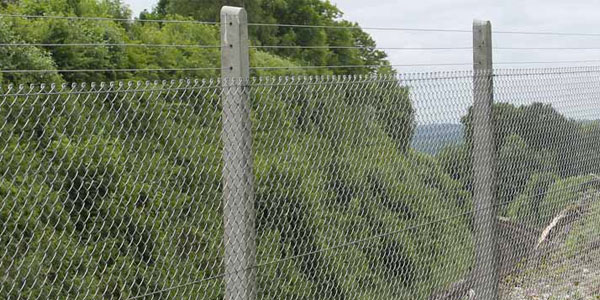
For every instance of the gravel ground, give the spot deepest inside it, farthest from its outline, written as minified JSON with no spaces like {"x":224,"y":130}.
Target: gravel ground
{"x":563,"y":272}
{"x":563,"y":263}
{"x":571,"y":281}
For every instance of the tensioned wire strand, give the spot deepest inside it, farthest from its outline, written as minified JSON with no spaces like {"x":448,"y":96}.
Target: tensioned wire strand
{"x":515,"y":32}
{"x":591,"y":34}
{"x":108,"y":70}
{"x":360,"y":47}
{"x":292,"y":67}
{"x":217,"y":23}
{"x":547,"y":62}
{"x":216,"y":47}
{"x":357,"y":27}
{"x":360,"y":66}
{"x":216,"y":68}
{"x":546,"y":48}
{"x":423,"y":65}
{"x":420,"y":48}
{"x":278,"y":47}
{"x":353,"y":243}
{"x":106,"y":45}
{"x":104,"y":19}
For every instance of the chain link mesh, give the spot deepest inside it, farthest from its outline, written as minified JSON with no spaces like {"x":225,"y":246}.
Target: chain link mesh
{"x":547,"y":155}
{"x":357,"y":187}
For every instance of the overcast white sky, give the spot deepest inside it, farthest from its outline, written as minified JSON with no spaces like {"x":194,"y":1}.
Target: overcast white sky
{"x":505,"y":15}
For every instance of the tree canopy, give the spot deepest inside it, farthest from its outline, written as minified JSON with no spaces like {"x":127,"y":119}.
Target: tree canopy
{"x":298,"y":12}
{"x":119,"y":45}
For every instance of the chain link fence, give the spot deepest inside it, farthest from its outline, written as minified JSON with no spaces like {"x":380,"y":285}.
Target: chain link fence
{"x":356,"y":187}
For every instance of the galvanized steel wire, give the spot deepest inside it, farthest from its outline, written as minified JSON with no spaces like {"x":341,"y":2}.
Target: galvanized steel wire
{"x":86,"y":18}
{"x":108,"y":45}
{"x":415,"y":29}
{"x":115,"y":188}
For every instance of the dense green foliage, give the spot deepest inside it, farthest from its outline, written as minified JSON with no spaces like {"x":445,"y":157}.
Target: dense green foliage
{"x":585,"y":231}
{"x":343,"y":179}
{"x":132,"y":183}
{"x":110,"y":57}
{"x":114,"y":194}
{"x":308,"y":12}
{"x":545,"y":196}
{"x":538,"y":150}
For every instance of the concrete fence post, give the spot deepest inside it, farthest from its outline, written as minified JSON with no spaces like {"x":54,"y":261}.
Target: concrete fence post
{"x":238,"y":180}
{"x":485,"y":274}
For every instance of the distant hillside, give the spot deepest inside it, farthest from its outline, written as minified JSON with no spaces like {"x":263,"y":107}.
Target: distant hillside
{"x":431,"y":138}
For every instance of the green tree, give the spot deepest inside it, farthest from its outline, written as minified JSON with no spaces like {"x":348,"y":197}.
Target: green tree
{"x":534,"y":139}
{"x":300,"y":12}
{"x":29,"y":58}
{"x":456,"y":161}
{"x":545,"y":196}
{"x":516,"y":163}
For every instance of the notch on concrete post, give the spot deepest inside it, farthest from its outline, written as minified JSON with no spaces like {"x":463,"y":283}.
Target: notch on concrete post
{"x":485,"y":275}
{"x":238,"y":182}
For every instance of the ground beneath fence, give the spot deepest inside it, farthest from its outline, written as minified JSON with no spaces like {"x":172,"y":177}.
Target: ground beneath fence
{"x":565,"y":266}
{"x":559,"y":261}
{"x":575,"y":278}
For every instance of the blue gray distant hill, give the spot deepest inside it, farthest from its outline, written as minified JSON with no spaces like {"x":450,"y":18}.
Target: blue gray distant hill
{"x":432,"y":138}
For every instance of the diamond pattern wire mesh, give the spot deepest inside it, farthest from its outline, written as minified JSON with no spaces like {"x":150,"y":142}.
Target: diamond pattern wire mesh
{"x":548,"y":179}
{"x":362,"y":188}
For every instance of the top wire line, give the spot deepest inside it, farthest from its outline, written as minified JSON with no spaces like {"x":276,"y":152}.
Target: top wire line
{"x":78,"y":18}
{"x":294,"y":26}
{"x":416,"y":29}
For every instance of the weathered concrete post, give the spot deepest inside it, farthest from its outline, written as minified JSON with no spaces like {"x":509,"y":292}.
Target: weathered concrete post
{"x":485,"y":275}
{"x":238,"y":180}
